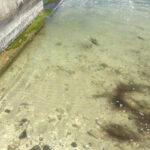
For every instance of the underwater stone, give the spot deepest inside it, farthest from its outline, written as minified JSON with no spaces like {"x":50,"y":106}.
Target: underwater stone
{"x":46,"y":147}
{"x":74,"y":144}
{"x":23,"y":135}
{"x":7,"y":110}
{"x":93,"y":133}
{"x":24,"y":120}
{"x":94,"y":41}
{"x":36,"y":147}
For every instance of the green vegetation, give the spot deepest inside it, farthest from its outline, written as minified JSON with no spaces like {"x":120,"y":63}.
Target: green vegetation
{"x":47,"y":12}
{"x":49,"y":1}
{"x":35,"y":26}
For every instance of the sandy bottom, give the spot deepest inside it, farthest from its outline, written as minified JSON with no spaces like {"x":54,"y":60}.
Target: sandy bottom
{"x":82,"y":83}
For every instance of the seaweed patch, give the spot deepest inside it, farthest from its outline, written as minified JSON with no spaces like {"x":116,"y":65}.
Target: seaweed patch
{"x":120,"y":133}
{"x":122,"y":98}
{"x":118,"y":98}
{"x":142,"y":119}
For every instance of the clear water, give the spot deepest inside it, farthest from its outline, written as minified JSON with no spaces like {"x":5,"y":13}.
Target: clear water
{"x":85,"y":78}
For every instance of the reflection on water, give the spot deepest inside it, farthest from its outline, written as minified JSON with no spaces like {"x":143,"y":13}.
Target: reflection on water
{"x":84,"y":82}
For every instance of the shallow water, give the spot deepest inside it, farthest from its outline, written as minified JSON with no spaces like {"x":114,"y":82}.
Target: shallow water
{"x":85,"y":78}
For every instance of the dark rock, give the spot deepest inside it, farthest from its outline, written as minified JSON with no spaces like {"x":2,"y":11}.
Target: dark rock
{"x":46,"y":147}
{"x":7,"y":111}
{"x":23,"y":135}
{"x":36,"y":147}
{"x":74,"y":144}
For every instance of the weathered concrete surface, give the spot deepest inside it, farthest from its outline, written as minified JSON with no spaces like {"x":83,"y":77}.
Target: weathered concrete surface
{"x":15,"y":16}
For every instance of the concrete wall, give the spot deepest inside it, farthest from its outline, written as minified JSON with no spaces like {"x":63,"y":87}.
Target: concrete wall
{"x":15,"y":16}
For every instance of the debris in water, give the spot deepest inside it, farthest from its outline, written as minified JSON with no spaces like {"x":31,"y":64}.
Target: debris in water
{"x":94,"y":41}
{"x":93,"y":134}
{"x":98,"y":122}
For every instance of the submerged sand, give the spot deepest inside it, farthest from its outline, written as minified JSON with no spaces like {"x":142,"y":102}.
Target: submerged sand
{"x":83,"y":83}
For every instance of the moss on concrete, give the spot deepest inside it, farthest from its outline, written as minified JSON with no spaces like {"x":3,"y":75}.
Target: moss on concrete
{"x":47,"y":12}
{"x":33,"y":27}
{"x":10,"y":53}
{"x":49,"y":1}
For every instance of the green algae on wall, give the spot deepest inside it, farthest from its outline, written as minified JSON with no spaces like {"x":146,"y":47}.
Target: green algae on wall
{"x":35,"y":26}
{"x":10,"y":53}
{"x":14,"y":18}
{"x":22,"y":40}
{"x":47,"y":12}
{"x":49,"y":1}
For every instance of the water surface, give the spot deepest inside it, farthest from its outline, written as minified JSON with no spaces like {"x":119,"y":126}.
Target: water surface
{"x":85,"y":78}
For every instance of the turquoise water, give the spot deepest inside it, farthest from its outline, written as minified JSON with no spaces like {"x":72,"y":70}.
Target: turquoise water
{"x":85,"y":78}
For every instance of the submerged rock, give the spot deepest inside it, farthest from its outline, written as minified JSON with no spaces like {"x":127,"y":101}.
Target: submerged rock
{"x":24,"y":120}
{"x":74,"y":144}
{"x":7,"y":111}
{"x":36,"y":147}
{"x":46,"y":147}
{"x":23,"y":135}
